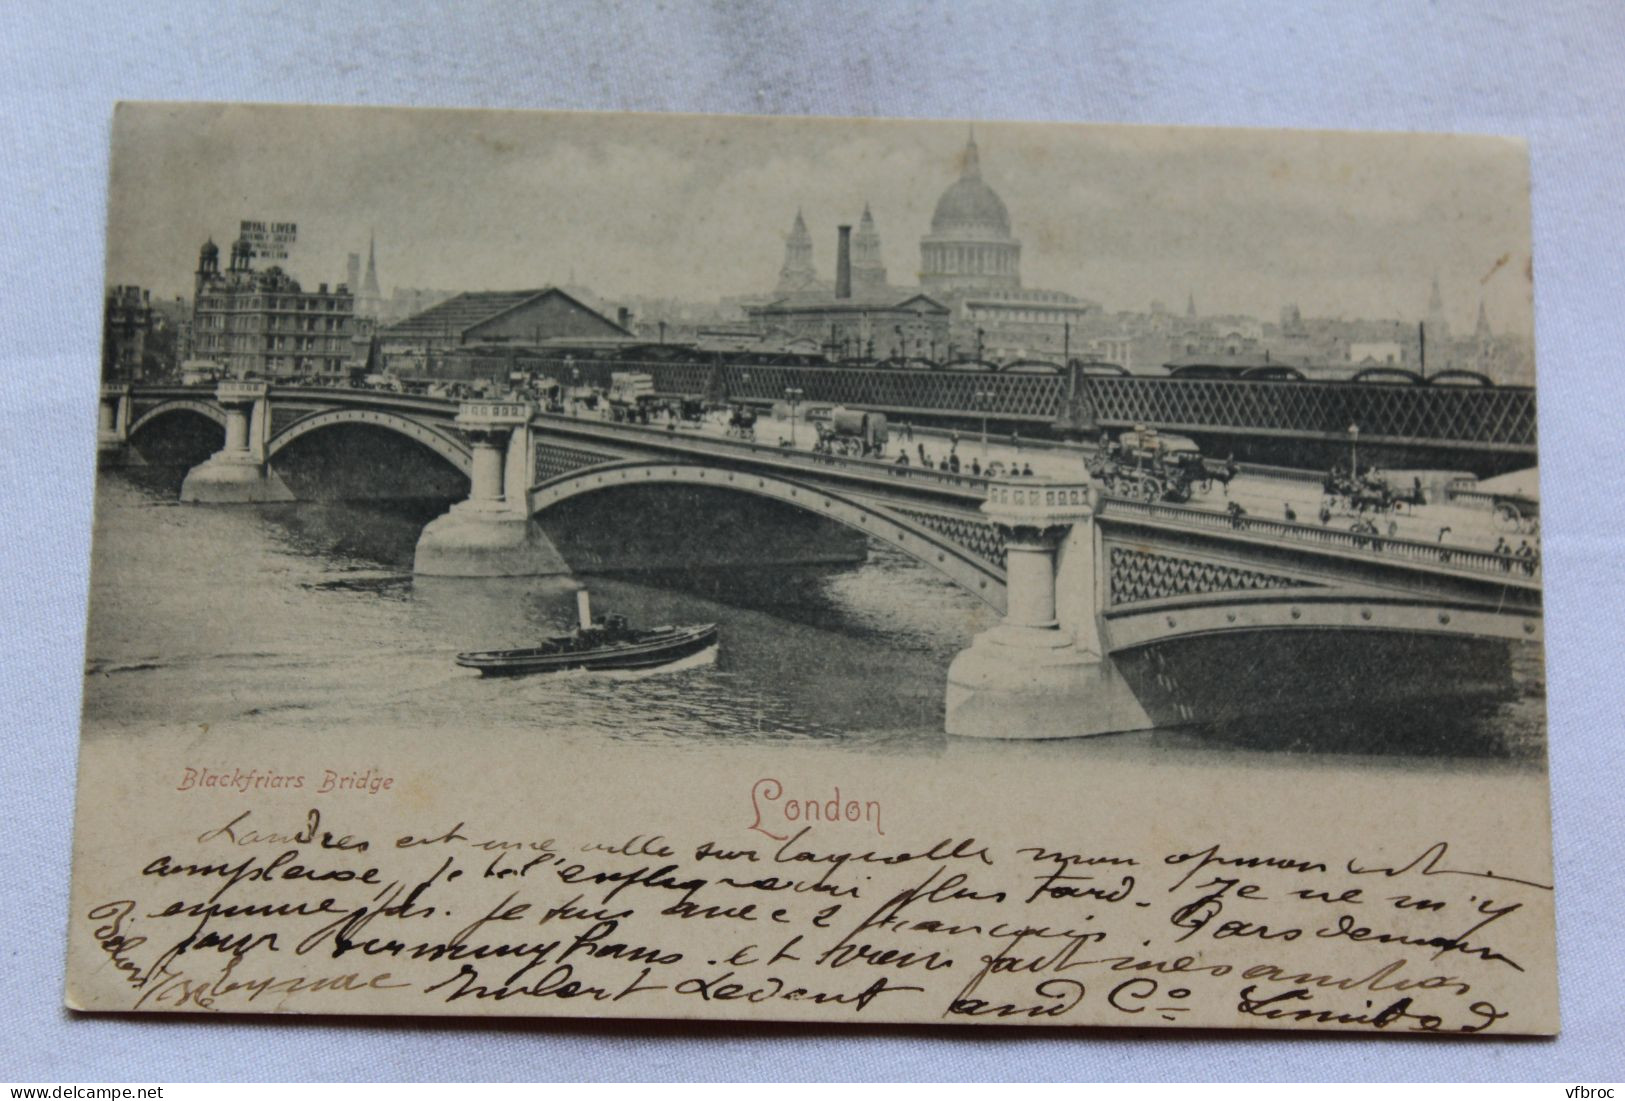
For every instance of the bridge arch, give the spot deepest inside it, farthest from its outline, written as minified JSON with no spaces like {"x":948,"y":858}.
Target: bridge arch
{"x":969,"y":570}
{"x":441,"y":442}
{"x":179,"y":405}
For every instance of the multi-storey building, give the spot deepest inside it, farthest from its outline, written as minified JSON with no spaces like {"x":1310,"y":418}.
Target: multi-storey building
{"x":417,"y":345}
{"x":857,"y":322}
{"x":972,"y":261}
{"x":263,"y":324}
{"x":970,"y":302}
{"x":126,"y":326}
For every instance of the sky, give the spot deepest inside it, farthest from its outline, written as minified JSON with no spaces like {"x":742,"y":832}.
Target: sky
{"x":693,"y":207}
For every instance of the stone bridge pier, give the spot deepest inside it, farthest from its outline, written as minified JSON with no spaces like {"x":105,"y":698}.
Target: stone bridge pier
{"x":1042,"y":673}
{"x":491,"y":534}
{"x":113,"y":424}
{"x":239,"y":473}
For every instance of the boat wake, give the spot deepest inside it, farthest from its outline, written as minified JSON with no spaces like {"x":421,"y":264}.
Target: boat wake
{"x":707,"y":656}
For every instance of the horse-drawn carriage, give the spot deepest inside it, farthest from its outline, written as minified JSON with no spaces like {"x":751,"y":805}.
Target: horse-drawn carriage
{"x":1516,"y":513}
{"x":852,"y":432}
{"x":742,"y":422}
{"x":1369,"y":491}
{"x":1149,"y":465}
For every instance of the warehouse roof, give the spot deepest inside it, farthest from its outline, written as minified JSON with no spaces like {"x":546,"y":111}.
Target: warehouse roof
{"x":456,"y":316}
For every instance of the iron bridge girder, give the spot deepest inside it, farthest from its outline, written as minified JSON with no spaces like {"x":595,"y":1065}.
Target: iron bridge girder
{"x":915,"y":535}
{"x":436,"y":438}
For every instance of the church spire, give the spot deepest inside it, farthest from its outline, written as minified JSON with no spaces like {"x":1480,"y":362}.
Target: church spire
{"x":369,"y":300}
{"x":369,"y":284}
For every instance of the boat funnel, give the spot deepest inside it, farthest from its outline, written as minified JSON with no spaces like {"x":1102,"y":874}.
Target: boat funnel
{"x":584,"y":608}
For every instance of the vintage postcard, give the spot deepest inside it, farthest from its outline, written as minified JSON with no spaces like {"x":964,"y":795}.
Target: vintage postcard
{"x":807,"y":569}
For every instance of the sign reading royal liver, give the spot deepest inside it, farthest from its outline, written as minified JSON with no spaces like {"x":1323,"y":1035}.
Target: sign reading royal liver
{"x":269,"y":240}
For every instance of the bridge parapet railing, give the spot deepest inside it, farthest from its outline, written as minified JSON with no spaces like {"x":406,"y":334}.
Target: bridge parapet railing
{"x":1038,"y":493}
{"x":494,"y":412}
{"x":965,"y":483}
{"x":1437,"y":554}
{"x":236,"y":390}
{"x":347,"y":395}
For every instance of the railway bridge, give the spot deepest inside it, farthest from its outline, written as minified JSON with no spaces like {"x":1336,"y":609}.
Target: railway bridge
{"x":1481,"y":429}
{"x":1117,"y":614}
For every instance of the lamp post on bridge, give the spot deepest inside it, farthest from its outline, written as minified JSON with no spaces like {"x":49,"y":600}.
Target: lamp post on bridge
{"x":983,"y":397}
{"x":1354,"y":454}
{"x":792,"y":394}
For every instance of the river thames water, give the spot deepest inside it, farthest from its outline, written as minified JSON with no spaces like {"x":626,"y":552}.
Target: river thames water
{"x":307,"y":615}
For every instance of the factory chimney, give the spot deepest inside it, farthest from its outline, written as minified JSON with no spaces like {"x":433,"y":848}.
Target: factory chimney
{"x":843,"y":264}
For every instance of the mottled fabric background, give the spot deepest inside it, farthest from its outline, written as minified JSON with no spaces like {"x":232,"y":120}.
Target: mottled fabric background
{"x":1551,"y":73}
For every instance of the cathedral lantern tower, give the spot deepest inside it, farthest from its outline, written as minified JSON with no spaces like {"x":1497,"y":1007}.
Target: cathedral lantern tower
{"x":970,"y":246}
{"x":798,"y":274}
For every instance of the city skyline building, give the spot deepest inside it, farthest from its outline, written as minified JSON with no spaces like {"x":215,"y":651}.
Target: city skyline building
{"x":970,"y":288}
{"x":263,"y":324}
{"x":994,"y":310}
{"x":971,"y":261}
{"x":1120,"y":220}
{"x":970,"y":246}
{"x":127,"y":324}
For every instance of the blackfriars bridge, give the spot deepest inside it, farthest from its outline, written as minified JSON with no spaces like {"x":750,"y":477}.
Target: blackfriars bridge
{"x":1117,"y":614}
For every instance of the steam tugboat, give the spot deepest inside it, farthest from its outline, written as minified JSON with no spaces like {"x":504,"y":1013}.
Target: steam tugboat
{"x":609,"y":643}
